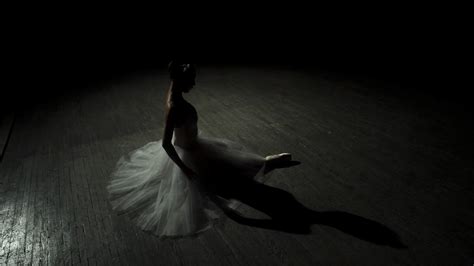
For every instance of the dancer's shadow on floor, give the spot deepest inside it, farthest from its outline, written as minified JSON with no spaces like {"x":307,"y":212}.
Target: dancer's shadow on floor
{"x":289,"y":215}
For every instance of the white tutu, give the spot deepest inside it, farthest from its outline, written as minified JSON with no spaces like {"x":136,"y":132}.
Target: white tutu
{"x":156,"y":194}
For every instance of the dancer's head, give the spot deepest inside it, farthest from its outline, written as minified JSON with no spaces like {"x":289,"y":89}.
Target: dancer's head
{"x":183,"y":75}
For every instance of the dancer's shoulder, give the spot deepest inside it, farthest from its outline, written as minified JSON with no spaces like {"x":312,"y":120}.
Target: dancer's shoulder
{"x":174,"y":107}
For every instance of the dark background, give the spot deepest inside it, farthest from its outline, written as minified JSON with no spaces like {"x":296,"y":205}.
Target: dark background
{"x":419,"y":48}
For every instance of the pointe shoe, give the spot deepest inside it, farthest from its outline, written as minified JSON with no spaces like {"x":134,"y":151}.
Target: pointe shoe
{"x":279,"y":157}
{"x":276,"y":161}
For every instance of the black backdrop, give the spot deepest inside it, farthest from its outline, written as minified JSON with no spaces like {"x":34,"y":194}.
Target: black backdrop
{"x":419,"y":49}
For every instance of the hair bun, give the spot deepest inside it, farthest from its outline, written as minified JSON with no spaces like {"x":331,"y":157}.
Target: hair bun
{"x":178,"y":69}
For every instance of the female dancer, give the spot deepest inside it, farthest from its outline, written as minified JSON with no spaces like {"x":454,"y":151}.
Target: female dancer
{"x":168,"y":186}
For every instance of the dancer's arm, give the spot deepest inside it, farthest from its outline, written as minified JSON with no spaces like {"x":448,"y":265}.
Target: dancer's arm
{"x":168,"y":146}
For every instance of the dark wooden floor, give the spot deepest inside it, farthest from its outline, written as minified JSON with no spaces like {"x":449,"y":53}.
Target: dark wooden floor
{"x":374,"y":166}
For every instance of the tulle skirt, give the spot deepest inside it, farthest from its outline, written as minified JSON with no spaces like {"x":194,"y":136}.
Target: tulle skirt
{"x":154,"y":192}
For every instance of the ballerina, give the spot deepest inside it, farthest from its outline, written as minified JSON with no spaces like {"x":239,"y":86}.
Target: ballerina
{"x":168,"y":187}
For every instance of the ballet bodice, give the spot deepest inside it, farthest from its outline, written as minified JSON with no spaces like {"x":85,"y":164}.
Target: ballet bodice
{"x":185,"y":130}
